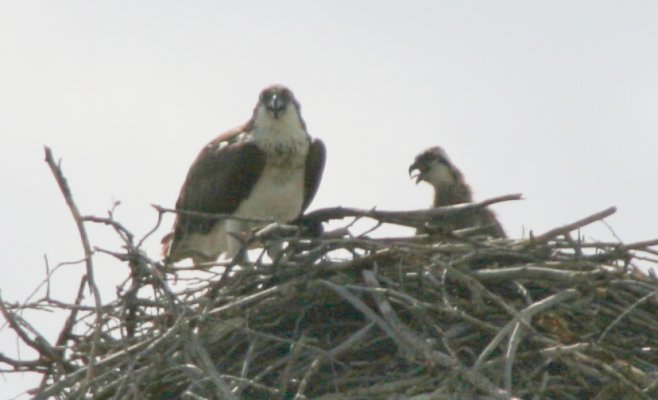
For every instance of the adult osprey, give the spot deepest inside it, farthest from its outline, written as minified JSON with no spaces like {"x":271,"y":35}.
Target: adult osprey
{"x":267,"y":169}
{"x":435,"y":168}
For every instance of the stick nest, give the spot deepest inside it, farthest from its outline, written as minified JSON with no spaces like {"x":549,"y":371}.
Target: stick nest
{"x":444,"y":316}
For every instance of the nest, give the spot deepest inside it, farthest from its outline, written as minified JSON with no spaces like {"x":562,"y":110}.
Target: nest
{"x":450,"y":315}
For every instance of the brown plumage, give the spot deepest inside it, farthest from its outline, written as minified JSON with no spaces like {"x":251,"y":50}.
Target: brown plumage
{"x":450,"y":188}
{"x":269,"y":168}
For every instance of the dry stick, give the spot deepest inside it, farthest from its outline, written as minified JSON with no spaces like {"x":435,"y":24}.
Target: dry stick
{"x":619,"y":249}
{"x":535,"y":273}
{"x":625,"y":313}
{"x":471,"y":282}
{"x":412,"y":218}
{"x":252,"y":299}
{"x":514,"y":341}
{"x":192,"y":345}
{"x":390,"y":388}
{"x":385,"y":307}
{"x":561,"y":349}
{"x":47,"y":265}
{"x":70,"y":321}
{"x":292,"y":357}
{"x":610,"y":369}
{"x":66,"y":192}
{"x":222,"y":389}
{"x":66,"y":330}
{"x":152,"y":231}
{"x":39,"y":343}
{"x":246,"y":365}
{"x":125,"y":234}
{"x":363,"y":308}
{"x":46,"y":281}
{"x":525,"y":315}
{"x":651,"y":388}
{"x":199,"y":376}
{"x":545,"y":237}
{"x":422,"y":347}
{"x":18,"y":365}
{"x":333,"y":353}
{"x":639,"y":245}
{"x":143,"y":347}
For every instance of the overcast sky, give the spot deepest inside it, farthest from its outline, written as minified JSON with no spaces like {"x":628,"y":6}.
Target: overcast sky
{"x":557,"y":100}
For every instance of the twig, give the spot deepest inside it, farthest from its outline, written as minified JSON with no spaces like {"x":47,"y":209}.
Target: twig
{"x":536,"y":273}
{"x":125,"y":234}
{"x":510,"y":354}
{"x":362,"y":307}
{"x":559,"y":350}
{"x":627,"y":311}
{"x":251,"y":299}
{"x":222,"y":390}
{"x":525,"y":315}
{"x":39,"y":343}
{"x":152,"y":231}
{"x":415,"y":218}
{"x":71,"y":320}
{"x":68,"y":197}
{"x":246,"y":364}
{"x":357,"y":337}
{"x":553,"y":233}
{"x":66,"y":331}
{"x":423,"y":348}
{"x":145,"y":346}
{"x":25,"y":366}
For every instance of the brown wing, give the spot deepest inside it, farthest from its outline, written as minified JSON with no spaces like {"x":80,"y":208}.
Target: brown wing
{"x":315,"y":160}
{"x":219,"y":179}
{"x":496,"y":229}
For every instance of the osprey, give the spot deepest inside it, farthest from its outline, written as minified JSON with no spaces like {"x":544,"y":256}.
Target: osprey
{"x":435,"y":168}
{"x":267,"y":169}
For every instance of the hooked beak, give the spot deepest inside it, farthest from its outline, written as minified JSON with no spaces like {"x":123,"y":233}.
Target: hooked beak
{"x":417,"y":176}
{"x":276,"y":106}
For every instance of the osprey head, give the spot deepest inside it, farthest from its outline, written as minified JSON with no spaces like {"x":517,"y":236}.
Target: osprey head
{"x":276,"y":100}
{"x":434,"y":167}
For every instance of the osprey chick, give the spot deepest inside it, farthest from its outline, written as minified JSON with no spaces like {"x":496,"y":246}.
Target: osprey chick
{"x":267,"y":169}
{"x":435,"y":168}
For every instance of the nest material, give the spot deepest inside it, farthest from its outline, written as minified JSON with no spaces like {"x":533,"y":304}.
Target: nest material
{"x":445,"y":316}
{"x":340,"y":317}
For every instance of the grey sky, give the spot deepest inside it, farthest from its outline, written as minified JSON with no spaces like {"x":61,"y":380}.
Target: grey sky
{"x":557,"y":100}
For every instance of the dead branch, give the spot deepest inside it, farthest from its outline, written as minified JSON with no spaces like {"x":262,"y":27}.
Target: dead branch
{"x":563,"y":230}
{"x":68,"y":197}
{"x":415,"y":218}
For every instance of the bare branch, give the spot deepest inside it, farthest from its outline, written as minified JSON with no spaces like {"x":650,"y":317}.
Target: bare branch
{"x":553,"y":233}
{"x":68,"y":197}
{"x":416,"y":218}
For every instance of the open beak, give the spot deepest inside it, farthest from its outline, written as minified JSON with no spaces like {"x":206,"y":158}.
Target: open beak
{"x":415,"y":172}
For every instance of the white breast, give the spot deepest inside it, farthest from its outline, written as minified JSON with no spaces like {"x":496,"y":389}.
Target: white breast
{"x":439,"y":174}
{"x":278,"y":195}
